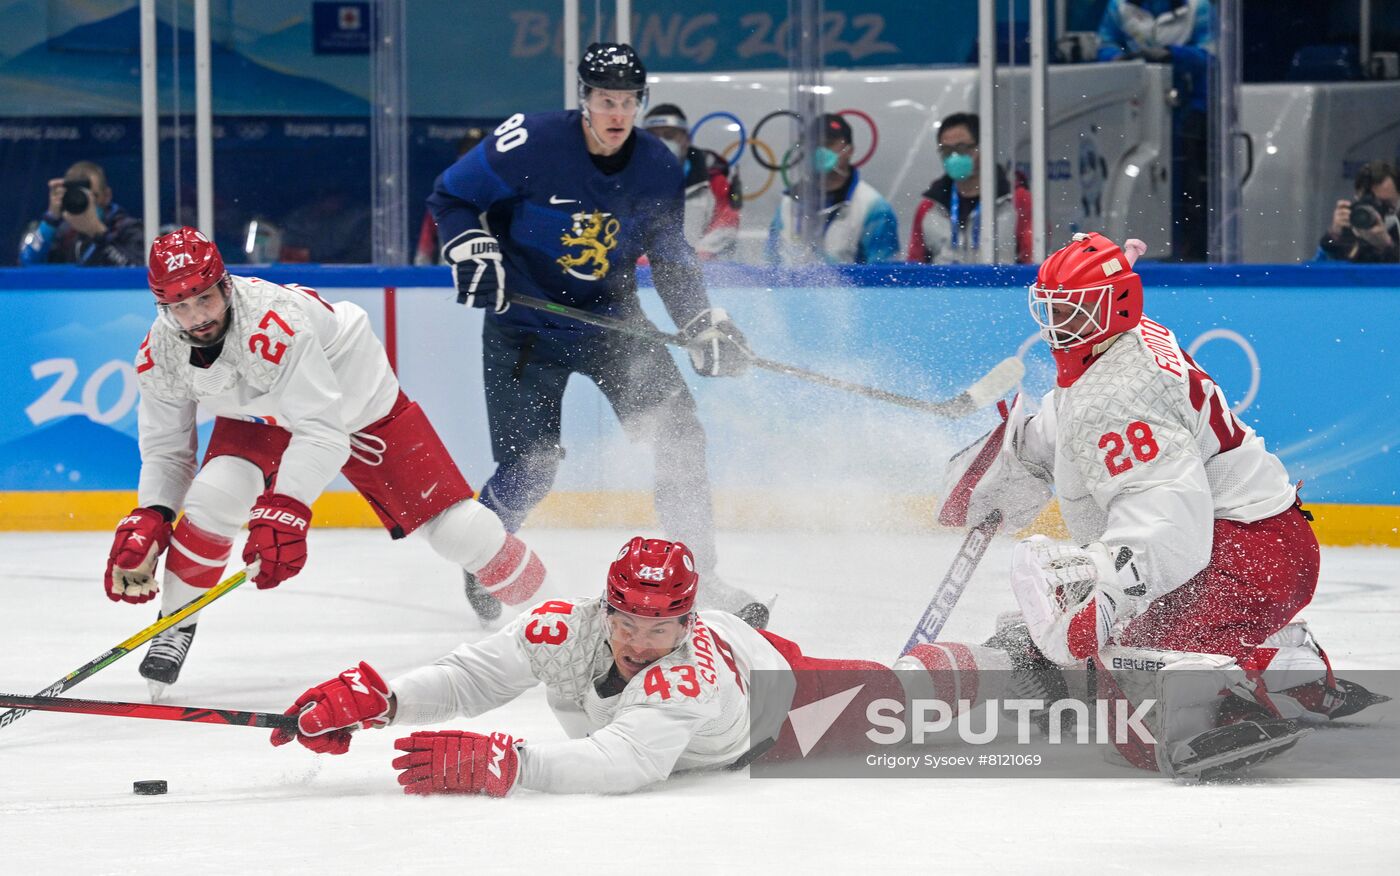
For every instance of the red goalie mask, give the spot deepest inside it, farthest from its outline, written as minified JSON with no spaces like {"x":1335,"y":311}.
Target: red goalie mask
{"x":1085,"y":294}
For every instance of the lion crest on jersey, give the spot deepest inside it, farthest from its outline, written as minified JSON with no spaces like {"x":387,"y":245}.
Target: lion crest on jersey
{"x":594,"y":235}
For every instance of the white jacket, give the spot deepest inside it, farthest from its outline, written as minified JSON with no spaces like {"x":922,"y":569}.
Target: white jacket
{"x":289,"y":359}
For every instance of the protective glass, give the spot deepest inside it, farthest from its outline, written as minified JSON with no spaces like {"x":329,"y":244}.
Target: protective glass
{"x":628,"y":103}
{"x":196,"y":313}
{"x":647,"y":633}
{"x":946,"y":149}
{"x":1069,"y":317}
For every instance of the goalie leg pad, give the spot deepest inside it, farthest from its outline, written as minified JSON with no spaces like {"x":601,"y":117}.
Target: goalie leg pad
{"x":1195,"y":694}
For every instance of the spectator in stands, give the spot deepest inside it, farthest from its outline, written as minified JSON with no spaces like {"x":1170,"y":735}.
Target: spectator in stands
{"x":948,"y":222}
{"x":1365,"y":229}
{"x":712,"y":193}
{"x":860,"y":224}
{"x":429,"y":251}
{"x":83,"y":226}
{"x":1176,"y":32}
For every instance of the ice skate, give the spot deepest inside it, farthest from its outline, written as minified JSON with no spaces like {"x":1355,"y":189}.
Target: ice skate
{"x":1221,"y":751}
{"x":486,"y":606}
{"x":165,"y":657}
{"x":1354,"y":698}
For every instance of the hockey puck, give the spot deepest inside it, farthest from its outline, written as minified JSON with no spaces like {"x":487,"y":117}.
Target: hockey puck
{"x":154,"y":786}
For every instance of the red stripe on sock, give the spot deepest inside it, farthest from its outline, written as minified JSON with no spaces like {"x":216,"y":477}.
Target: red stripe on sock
{"x":191,"y":549}
{"x":200,"y":542}
{"x":503,"y":564}
{"x":967,"y":671}
{"x":523,"y":588}
{"x":940,"y":671}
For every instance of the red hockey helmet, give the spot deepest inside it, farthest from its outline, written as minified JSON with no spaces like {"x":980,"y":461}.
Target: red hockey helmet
{"x":1084,"y":294}
{"x":652,"y":577}
{"x":183,"y":264}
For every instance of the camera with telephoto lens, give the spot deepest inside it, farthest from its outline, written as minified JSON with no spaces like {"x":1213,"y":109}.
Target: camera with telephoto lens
{"x":76,"y":195}
{"x":1366,"y":213}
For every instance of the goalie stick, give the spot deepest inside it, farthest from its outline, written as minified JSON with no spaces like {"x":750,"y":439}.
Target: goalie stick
{"x":950,"y":590}
{"x":991,"y":386}
{"x":153,"y":711}
{"x":116,"y":652}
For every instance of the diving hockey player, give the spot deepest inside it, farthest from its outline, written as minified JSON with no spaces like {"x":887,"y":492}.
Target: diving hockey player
{"x":643,"y":684}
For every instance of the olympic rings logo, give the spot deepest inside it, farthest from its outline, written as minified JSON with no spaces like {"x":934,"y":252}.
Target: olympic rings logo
{"x":766,"y":156}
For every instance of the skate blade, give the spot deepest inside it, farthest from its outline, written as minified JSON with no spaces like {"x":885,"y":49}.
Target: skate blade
{"x":1208,"y":768}
{"x":157,"y":689}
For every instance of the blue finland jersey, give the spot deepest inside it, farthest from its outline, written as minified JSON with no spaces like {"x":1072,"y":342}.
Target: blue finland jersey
{"x":568,"y":231}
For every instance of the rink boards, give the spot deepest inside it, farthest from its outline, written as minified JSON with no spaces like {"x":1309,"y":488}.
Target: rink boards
{"x":1305,"y":354}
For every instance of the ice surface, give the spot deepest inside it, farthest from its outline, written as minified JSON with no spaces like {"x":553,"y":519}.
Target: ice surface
{"x":236,"y":804}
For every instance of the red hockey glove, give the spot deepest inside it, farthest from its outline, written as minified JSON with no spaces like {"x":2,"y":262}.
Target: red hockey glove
{"x":142,"y":536}
{"x":457,"y":762}
{"x":276,"y":548}
{"x":330,"y":710}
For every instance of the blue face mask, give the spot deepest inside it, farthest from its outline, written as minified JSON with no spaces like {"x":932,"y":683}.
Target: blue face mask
{"x":824,"y":160}
{"x":958,"y":166}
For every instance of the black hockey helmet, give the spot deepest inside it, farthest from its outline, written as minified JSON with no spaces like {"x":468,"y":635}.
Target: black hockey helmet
{"x":612,"y":66}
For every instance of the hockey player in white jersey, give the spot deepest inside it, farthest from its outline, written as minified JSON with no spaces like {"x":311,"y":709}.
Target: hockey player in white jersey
{"x":302,"y":389}
{"x":642,"y":684}
{"x":1190,"y":550}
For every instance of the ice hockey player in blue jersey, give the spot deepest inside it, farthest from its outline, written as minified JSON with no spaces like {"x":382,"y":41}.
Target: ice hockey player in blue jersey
{"x":559,"y":206}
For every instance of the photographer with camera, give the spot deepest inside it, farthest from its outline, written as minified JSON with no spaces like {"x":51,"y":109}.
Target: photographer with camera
{"x":82,"y":226}
{"x":1365,"y":229}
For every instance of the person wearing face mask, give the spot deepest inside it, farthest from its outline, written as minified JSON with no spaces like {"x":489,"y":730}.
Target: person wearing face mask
{"x":860,"y":225}
{"x":712,"y":193}
{"x":948,"y":222}
{"x":1366,"y":229}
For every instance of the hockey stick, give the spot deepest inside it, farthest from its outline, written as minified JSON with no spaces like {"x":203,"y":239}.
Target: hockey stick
{"x":116,"y":652}
{"x":993,"y":385}
{"x":950,"y":590}
{"x":153,"y":711}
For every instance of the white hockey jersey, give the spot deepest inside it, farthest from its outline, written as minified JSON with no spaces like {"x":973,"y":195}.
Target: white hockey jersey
{"x":1142,"y":451}
{"x":289,"y":359}
{"x":688,"y":710}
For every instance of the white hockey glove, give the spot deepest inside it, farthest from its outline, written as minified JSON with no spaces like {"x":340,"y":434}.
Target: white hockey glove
{"x":475,"y":257}
{"x":1072,"y":596}
{"x":716,"y":346}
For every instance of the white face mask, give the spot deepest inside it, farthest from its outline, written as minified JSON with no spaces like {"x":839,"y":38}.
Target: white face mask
{"x":676,"y":148}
